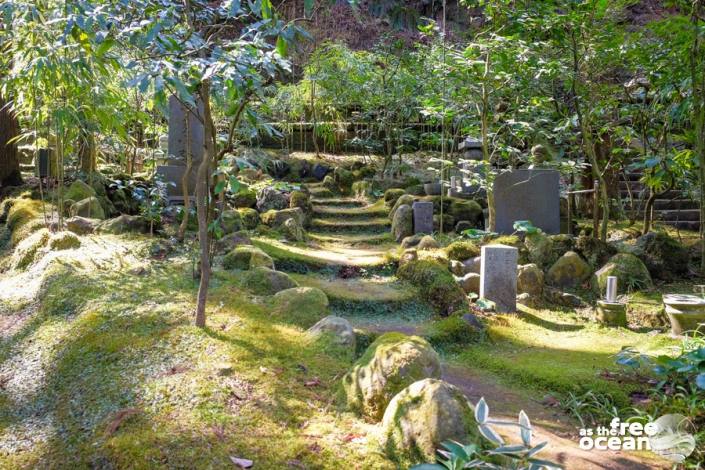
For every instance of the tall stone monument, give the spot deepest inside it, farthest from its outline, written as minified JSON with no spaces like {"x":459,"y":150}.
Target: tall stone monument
{"x":423,"y":217}
{"x":179,"y":134}
{"x":498,"y":276}
{"x":532,"y":195}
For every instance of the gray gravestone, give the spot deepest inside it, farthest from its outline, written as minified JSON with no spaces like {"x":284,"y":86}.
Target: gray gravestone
{"x":532,"y":195}
{"x":174,"y":170}
{"x":423,"y":217}
{"x":498,"y":271}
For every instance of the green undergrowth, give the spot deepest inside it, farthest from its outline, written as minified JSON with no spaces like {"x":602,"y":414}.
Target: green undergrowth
{"x":560,"y":353}
{"x":109,"y":372}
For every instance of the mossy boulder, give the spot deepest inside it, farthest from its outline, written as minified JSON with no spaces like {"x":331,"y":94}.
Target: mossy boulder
{"x":344,"y":178}
{"x":540,"y":249}
{"x":403,"y":223}
{"x":363,"y":189}
{"x":630,"y":271}
{"x":468,"y":210}
{"x":270,"y":199}
{"x":231,"y":221}
{"x":247,"y":257}
{"x":337,"y":328}
{"x":448,"y":222}
{"x":436,"y":284}
{"x":402,"y":200}
{"x":81,"y":225}
{"x":125,"y":224}
{"x":427,"y":242}
{"x":64,"y":241}
{"x":570,"y":270}
{"x":415,"y":190}
{"x":393,"y":362}
{"x":462,"y":250}
{"x":277,"y":218}
{"x":250,"y":218}
{"x":232,"y":241}
{"x":27,"y":249}
{"x":330,"y":184}
{"x":530,"y":280}
{"x":293,"y":230}
{"x":409,"y":255}
{"x":89,"y":207}
{"x":244,"y":198}
{"x":664,"y":257}
{"x":392,"y":195}
{"x":301,"y":200}
{"x":411,"y":241}
{"x":302,"y":306}
{"x":78,"y":191}
{"x":594,"y":250}
{"x":23,"y":218}
{"x":424,"y":415}
{"x":266,"y":281}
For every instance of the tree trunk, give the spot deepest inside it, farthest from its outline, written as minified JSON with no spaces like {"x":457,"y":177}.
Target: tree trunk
{"x":202,"y":195}
{"x":184,"y":183}
{"x":9,"y":157}
{"x":87,"y":152}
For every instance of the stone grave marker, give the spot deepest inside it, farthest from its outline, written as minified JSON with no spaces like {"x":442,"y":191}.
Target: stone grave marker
{"x":498,"y":271}
{"x":175,"y":166}
{"x":532,"y":195}
{"x":423,"y":217}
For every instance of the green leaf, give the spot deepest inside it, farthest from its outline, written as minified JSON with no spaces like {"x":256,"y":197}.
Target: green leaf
{"x":308,"y":7}
{"x":266,"y":9}
{"x":282,"y":46}
{"x":234,"y":185}
{"x":700,"y":381}
{"x":219,"y":187}
{"x":482,"y":411}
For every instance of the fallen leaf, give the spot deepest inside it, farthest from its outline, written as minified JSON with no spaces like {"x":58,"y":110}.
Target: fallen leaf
{"x":120,"y":416}
{"x":242,"y":463}
{"x":314,"y":382}
{"x":314,"y":447}
{"x":219,"y":432}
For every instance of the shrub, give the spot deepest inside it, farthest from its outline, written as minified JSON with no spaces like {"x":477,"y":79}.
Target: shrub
{"x":391,"y":196}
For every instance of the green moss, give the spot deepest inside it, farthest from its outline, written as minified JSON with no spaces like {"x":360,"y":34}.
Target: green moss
{"x":630,"y":271}
{"x":452,"y":332}
{"x":64,"y":241}
{"x":302,"y":306}
{"x":299,"y":199}
{"x":27,"y":249}
{"x":247,"y":257}
{"x":22,"y":218}
{"x":509,"y":240}
{"x":462,"y":209}
{"x":435,"y":283}
{"x":265,"y":281}
{"x":250,"y":218}
{"x":393,"y":362}
{"x":79,"y":191}
{"x":462,"y":250}
{"x":89,"y":207}
{"x":245,"y":198}
{"x":391,"y":195}
{"x":231,"y":221}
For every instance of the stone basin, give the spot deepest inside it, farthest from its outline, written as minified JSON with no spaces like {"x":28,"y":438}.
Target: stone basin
{"x":685,"y":312}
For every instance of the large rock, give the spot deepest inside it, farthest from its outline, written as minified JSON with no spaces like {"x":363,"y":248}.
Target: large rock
{"x":250,"y":218}
{"x":270,"y":199}
{"x":540,"y":249}
{"x":232,"y":241}
{"x":125,"y":224}
{"x":530,"y":280}
{"x":569,"y":271}
{"x":470,"y":283}
{"x":320,"y":171}
{"x":424,"y":415}
{"x":631,"y":274}
{"x":405,"y":199}
{"x":462,"y":250}
{"x":403,"y":223}
{"x":81,"y":225}
{"x":435,"y":283}
{"x":89,"y":207}
{"x":247,"y":257}
{"x":393,"y":362}
{"x":293,"y":231}
{"x":274,"y":218}
{"x":338,"y":328}
{"x":244,"y":198}
{"x":663,"y":256}
{"x":466,"y":210}
{"x":302,"y":306}
{"x":265,"y":281}
{"x":594,"y":250}
{"x":473,"y":265}
{"x":412,"y":241}
{"x":231,"y":221}
{"x":78,"y":191}
{"x":392,"y":195}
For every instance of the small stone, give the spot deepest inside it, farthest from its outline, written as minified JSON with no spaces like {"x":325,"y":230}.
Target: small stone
{"x":470,"y":283}
{"x":472,"y":265}
{"x":428,"y":243}
{"x":569,"y":271}
{"x":338,"y":327}
{"x":530,"y":280}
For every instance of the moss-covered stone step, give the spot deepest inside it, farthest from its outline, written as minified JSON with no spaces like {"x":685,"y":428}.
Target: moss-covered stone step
{"x":372,"y":226}
{"x":347,"y":213}
{"x":304,"y":258}
{"x":337,"y":201}
{"x":352,"y":238}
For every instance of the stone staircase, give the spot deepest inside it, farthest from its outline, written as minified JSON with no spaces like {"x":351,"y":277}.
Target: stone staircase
{"x":673,"y":207}
{"x":348,"y":216}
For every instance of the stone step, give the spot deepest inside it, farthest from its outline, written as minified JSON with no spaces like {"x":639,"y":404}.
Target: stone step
{"x":667,"y":204}
{"x":352,"y":239}
{"x":349,"y":213}
{"x":375,"y":225}
{"x":670,"y":194}
{"x":338,"y":202}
